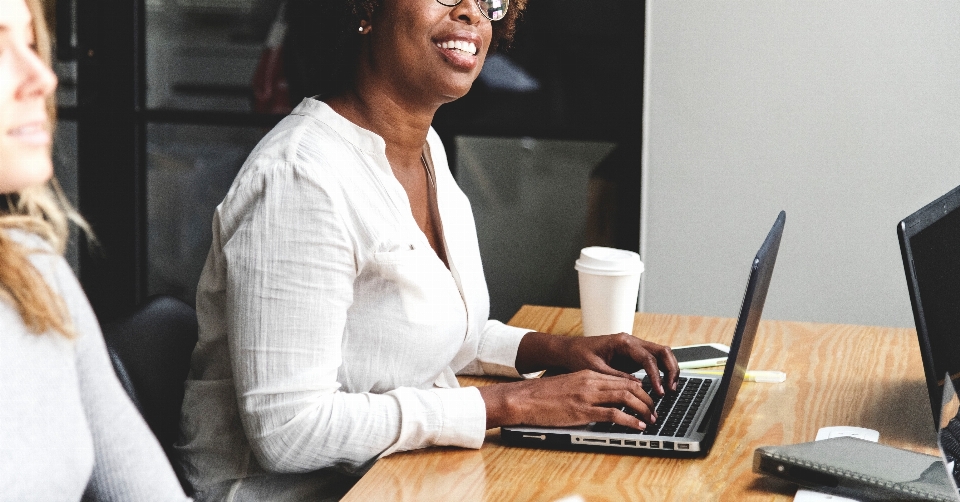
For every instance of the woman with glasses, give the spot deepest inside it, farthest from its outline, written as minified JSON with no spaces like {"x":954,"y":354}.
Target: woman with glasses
{"x":343,"y":291}
{"x":67,"y":428}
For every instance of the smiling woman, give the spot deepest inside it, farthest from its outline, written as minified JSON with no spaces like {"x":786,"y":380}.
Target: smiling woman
{"x":343,"y":291}
{"x":26,"y":87}
{"x":67,"y":428}
{"x":325,"y":45}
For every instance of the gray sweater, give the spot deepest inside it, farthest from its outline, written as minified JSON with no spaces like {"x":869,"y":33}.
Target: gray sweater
{"x":66,"y":424}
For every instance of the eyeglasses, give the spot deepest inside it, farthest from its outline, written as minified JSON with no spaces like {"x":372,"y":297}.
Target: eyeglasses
{"x":493,"y":10}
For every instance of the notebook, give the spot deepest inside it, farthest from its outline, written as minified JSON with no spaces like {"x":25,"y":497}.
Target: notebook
{"x":689,"y":420}
{"x":930,"y":246}
{"x":856,"y":469}
{"x":864,"y":470}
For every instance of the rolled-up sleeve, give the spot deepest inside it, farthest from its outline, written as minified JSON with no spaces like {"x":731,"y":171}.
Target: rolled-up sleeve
{"x":498,"y":348}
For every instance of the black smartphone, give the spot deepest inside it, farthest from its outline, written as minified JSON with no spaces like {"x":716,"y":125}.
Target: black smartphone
{"x":701,"y":356}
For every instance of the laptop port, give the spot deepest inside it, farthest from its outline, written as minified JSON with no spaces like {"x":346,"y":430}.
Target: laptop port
{"x":629,"y":442}
{"x":668,"y":445}
{"x":642,"y":444}
{"x":683,"y":446}
{"x":655,"y":444}
{"x":594,"y":441}
{"x":616,"y":442}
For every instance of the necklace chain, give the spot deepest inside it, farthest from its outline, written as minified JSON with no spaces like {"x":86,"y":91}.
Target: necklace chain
{"x":426,"y":168}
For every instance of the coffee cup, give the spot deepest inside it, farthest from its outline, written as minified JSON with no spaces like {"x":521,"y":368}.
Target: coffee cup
{"x":609,"y":283}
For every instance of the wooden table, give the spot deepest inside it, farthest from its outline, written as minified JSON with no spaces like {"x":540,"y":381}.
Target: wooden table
{"x":836,"y":375}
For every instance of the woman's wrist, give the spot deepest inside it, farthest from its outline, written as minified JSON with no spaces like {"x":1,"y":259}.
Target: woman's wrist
{"x":539,"y":351}
{"x":504,"y":402}
{"x":496,"y":405}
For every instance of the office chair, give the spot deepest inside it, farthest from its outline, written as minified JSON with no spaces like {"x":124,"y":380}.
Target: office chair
{"x":150,"y":351}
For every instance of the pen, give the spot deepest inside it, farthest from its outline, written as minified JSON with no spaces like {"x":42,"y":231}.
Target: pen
{"x":752,"y":375}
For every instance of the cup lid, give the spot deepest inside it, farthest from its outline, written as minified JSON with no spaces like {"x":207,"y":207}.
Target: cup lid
{"x":609,"y":261}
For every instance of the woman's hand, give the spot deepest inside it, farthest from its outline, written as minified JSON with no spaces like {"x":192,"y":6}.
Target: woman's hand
{"x":568,"y":400}
{"x":616,"y":355}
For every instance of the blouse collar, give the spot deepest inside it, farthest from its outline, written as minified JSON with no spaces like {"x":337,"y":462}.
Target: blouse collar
{"x":367,"y":141}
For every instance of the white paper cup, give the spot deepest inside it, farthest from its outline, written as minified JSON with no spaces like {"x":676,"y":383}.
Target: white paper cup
{"x":609,"y":283}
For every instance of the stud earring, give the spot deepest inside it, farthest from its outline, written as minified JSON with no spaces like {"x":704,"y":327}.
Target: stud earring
{"x":361,"y":29}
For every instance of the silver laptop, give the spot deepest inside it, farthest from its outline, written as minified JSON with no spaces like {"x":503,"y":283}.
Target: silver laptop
{"x":688,"y":420}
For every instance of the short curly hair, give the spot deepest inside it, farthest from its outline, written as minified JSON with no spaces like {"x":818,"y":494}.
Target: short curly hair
{"x":322,"y":44}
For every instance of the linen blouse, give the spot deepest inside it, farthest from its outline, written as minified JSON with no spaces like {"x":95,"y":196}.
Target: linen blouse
{"x":66,"y":425}
{"x":330,"y":331}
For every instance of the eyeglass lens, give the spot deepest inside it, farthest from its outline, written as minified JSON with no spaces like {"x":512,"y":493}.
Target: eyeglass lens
{"x":494,"y":10}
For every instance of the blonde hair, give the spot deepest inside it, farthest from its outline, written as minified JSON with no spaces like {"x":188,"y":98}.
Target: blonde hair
{"x":42,"y":210}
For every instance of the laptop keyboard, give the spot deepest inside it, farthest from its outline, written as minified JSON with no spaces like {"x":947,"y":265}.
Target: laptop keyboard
{"x":675,"y":411}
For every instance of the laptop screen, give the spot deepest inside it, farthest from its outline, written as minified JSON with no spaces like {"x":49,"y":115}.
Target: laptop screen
{"x":761,"y":272}
{"x":931,"y":246}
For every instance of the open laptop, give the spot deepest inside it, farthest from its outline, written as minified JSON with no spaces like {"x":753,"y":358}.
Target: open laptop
{"x":930,"y":246}
{"x":690,"y":419}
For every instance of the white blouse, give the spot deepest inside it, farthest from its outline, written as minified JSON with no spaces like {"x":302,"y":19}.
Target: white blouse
{"x":330,"y":331}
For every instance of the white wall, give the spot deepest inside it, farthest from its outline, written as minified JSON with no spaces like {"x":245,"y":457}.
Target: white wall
{"x":845,"y":114}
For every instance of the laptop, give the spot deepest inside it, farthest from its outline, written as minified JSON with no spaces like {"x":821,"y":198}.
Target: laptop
{"x":690,"y":418}
{"x":930,"y":247}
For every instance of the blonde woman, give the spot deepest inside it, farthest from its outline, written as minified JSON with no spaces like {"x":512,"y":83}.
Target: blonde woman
{"x":66,"y":426}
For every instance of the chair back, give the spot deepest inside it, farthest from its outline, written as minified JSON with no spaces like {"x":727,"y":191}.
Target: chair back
{"x":150,"y":351}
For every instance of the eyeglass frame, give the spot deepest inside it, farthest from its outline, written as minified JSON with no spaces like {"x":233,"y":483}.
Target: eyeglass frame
{"x":479,"y":7}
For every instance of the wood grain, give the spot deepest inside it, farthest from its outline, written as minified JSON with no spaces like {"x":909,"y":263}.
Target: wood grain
{"x":836,"y":375}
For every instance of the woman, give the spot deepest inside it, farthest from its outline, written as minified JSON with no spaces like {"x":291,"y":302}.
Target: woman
{"x":343,"y":290}
{"x":66,"y":425}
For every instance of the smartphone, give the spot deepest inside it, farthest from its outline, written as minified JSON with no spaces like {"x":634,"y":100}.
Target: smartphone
{"x":701,"y":356}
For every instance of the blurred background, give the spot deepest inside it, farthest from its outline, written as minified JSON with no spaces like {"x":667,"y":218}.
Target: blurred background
{"x":160,"y":102}
{"x":678,"y":129}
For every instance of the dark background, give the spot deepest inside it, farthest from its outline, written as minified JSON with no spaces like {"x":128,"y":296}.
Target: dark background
{"x":157,"y":115}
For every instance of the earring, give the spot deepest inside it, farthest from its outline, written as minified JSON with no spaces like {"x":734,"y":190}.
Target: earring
{"x":361,"y":29}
